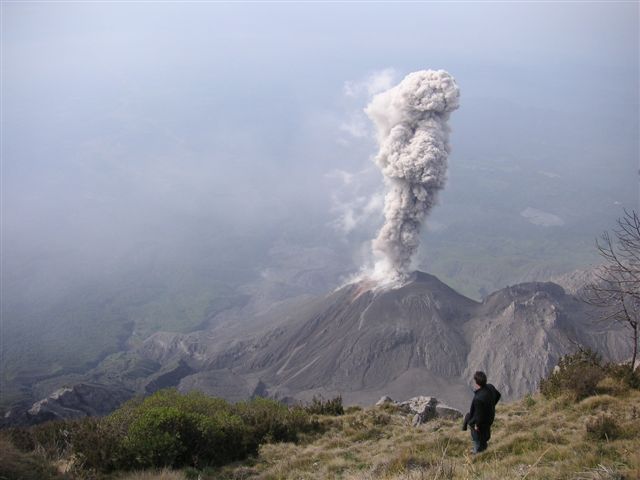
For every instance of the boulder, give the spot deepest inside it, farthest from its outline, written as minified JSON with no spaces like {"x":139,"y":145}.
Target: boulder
{"x":425,"y":408}
{"x":447,"y":412}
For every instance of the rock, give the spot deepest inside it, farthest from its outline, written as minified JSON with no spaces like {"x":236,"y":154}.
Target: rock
{"x":416,"y":420}
{"x":384,"y":400}
{"x":447,"y":412}
{"x":424,"y":408}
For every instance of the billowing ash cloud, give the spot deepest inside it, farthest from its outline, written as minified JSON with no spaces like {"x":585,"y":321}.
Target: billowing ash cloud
{"x":411,"y":122}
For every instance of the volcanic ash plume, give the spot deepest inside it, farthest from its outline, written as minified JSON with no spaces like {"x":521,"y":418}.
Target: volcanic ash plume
{"x":411,"y":123}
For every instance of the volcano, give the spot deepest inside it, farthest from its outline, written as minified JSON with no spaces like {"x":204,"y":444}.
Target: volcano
{"x":363,"y":342}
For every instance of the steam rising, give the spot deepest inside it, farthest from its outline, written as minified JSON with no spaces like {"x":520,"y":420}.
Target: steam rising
{"x":412,"y":131}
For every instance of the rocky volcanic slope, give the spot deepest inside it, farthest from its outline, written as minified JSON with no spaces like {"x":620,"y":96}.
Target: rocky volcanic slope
{"x":362,"y":343}
{"x":421,"y":338}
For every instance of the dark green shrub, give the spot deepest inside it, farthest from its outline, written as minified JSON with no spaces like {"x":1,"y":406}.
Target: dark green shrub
{"x":192,"y":402}
{"x":168,"y":436}
{"x":161,"y":436}
{"x":97,"y":445}
{"x":577,"y":374}
{"x":191,"y":473}
{"x":271,"y":421}
{"x":168,"y":429}
{"x":319,"y":406}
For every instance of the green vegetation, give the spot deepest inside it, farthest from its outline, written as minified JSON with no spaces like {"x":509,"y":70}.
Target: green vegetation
{"x":167,"y":429}
{"x":179,"y":437}
{"x":583,"y":374}
{"x":320,"y":406}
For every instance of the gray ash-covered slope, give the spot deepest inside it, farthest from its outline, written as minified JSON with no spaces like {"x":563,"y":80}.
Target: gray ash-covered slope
{"x":422,"y":338}
{"x":519,"y":333}
{"x":361,"y":341}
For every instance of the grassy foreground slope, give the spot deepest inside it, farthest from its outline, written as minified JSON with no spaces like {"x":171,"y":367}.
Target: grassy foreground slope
{"x":534,"y":438}
{"x":597,"y":437}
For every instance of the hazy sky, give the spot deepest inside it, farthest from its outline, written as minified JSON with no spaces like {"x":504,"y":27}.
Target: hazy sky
{"x":127,"y":121}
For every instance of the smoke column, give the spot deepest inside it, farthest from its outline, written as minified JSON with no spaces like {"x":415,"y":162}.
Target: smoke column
{"x":412,"y":131}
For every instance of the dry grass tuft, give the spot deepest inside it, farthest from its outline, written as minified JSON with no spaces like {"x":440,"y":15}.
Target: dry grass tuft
{"x":601,"y":472}
{"x":164,"y":474}
{"x":15,"y":464}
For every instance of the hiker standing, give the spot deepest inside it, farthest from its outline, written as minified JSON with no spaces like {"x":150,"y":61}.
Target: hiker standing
{"x":482,"y":412}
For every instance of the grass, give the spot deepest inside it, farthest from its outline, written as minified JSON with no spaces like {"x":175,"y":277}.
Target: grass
{"x":16,"y":465}
{"x":597,"y":438}
{"x":155,"y":475}
{"x":532,"y":439}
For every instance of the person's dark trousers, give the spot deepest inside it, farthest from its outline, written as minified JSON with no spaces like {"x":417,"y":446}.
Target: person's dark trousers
{"x":479,"y":440}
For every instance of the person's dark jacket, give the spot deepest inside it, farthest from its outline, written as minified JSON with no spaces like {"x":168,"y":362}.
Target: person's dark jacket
{"x":483,"y":410}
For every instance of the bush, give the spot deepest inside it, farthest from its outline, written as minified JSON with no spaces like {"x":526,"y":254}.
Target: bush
{"x":623,"y":374}
{"x":271,"y":421}
{"x":319,"y":406}
{"x":165,"y":429}
{"x":192,"y":402}
{"x":97,"y":445}
{"x":583,"y":374}
{"x":53,"y":439}
{"x":168,"y":429}
{"x":168,"y":436}
{"x":529,"y":401}
{"x":577,"y":374}
{"x":602,"y":427}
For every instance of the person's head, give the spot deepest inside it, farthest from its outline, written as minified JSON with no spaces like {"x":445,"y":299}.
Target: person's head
{"x":480,"y":379}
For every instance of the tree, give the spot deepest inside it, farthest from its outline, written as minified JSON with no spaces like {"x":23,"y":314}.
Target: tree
{"x":617,"y":287}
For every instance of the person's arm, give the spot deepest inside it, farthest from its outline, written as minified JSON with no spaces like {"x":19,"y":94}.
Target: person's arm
{"x":473,"y":411}
{"x":479,"y":413}
{"x":497,"y":396}
{"x":465,"y":422}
